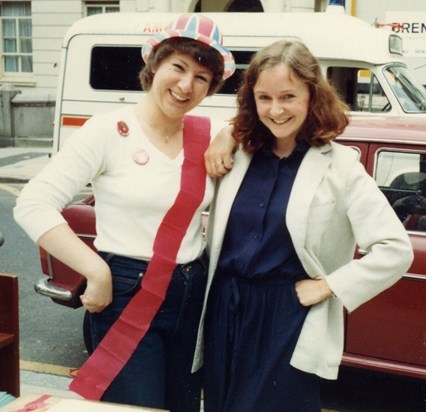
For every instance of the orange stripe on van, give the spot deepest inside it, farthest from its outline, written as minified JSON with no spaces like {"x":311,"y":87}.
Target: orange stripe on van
{"x":73,"y":121}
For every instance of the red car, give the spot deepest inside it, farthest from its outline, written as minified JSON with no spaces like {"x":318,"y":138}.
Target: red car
{"x":387,"y":334}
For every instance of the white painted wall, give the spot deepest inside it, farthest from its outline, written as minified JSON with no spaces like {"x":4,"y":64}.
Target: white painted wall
{"x":369,"y":10}
{"x":52,"y":18}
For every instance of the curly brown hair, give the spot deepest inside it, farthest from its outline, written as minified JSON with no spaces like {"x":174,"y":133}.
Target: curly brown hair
{"x":327,"y":116}
{"x":203,"y":54}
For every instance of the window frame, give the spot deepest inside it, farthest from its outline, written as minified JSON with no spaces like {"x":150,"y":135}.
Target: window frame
{"x":103,"y":68}
{"x":103,"y":4}
{"x":415,"y":200}
{"x":359,"y":88}
{"x":19,"y":78}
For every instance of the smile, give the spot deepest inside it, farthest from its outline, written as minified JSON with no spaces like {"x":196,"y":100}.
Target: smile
{"x":280,"y":122}
{"x":178,"y":96}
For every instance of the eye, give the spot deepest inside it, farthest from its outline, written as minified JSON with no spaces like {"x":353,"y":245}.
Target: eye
{"x":288,"y":97}
{"x":263,"y":97}
{"x":203,"y":78}
{"x":178,"y":66}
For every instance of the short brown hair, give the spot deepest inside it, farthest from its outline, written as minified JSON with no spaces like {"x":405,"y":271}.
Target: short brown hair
{"x":205,"y":55}
{"x":327,"y":116}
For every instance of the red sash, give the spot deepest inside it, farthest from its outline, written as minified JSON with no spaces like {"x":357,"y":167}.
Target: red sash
{"x":123,"y":337}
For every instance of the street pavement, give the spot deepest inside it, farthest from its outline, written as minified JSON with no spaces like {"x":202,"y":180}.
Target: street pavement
{"x":18,"y":165}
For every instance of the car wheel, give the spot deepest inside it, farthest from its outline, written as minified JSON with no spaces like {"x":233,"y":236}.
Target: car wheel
{"x":87,"y":333}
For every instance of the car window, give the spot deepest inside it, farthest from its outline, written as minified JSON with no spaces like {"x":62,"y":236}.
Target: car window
{"x":117,"y":68}
{"x":402,"y":178}
{"x":411,"y":96}
{"x":359,"y":88}
{"x":242,"y":60}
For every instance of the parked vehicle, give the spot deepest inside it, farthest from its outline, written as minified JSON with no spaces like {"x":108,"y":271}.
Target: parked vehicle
{"x":386,"y":334}
{"x":100,"y":63}
{"x":101,"y":59}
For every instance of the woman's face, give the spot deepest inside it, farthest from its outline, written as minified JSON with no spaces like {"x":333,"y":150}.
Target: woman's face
{"x":179,"y":84}
{"x":282,"y":103}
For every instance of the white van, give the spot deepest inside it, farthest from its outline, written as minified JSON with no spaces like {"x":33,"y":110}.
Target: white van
{"x":101,"y":60}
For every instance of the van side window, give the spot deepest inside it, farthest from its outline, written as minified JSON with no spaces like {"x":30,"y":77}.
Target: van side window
{"x":242,"y":60}
{"x":402,"y":178}
{"x":359,"y":88}
{"x":115,"y":68}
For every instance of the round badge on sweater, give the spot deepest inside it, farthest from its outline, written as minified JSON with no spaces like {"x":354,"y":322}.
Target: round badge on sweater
{"x":140,"y":157}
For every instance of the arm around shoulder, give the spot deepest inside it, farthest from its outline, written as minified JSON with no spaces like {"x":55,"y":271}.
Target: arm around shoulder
{"x":219,"y":156}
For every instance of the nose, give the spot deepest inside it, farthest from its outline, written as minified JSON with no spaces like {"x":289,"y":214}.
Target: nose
{"x":186,"y":83}
{"x":276,"y":107}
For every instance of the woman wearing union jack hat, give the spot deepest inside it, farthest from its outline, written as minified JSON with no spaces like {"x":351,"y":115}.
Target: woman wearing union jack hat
{"x":145,"y":163}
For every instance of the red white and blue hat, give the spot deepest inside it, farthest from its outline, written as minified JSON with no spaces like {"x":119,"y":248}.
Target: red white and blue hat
{"x":197,"y":27}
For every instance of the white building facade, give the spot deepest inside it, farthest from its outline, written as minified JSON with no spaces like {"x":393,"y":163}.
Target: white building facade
{"x":31,"y":32}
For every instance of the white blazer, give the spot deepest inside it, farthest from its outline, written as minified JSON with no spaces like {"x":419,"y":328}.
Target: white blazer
{"x":334,"y":205}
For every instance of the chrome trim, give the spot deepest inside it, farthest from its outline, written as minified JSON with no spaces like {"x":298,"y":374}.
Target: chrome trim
{"x":416,"y":277}
{"x":358,"y":139}
{"x":43,"y":287}
{"x":363,"y":252}
{"x":49,"y":265}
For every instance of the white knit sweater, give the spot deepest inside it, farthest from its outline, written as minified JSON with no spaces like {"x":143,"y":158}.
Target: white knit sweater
{"x":131,"y":198}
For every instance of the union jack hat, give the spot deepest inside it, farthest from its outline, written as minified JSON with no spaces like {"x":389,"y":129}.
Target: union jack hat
{"x":197,"y":27}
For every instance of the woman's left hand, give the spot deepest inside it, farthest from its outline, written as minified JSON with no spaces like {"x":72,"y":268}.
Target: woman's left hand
{"x":312,"y":291}
{"x":219,"y":156}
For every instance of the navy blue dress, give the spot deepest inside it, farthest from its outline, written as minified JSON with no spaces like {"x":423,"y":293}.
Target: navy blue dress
{"x":254,"y":317}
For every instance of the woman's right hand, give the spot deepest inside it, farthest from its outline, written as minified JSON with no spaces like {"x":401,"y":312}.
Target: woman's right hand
{"x":98,"y":293}
{"x":62,"y":243}
{"x":313,"y":291}
{"x":219,"y":155}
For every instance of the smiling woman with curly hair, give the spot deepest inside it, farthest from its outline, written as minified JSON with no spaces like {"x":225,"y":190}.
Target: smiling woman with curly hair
{"x":281,"y":239}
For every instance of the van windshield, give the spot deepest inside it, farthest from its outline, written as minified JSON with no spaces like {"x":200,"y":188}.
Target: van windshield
{"x":410,"y":94}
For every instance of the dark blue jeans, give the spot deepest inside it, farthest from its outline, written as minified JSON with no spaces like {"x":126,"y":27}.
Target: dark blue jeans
{"x":158,"y":374}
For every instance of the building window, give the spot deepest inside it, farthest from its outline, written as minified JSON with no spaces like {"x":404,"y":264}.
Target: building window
{"x":245,"y":6}
{"x":16,"y":38}
{"x":98,"y":7}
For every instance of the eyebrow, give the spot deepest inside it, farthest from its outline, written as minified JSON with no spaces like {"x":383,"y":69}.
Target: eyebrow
{"x":204,"y":69}
{"x":280,"y":92}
